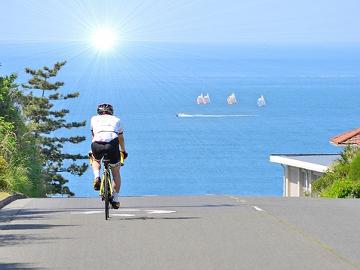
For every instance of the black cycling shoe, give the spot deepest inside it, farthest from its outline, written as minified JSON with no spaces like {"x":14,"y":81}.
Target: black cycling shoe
{"x":114,"y":204}
{"x":97,"y":182}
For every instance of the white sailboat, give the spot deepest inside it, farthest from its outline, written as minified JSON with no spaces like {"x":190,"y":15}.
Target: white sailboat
{"x":261,"y":101}
{"x":207,"y":98}
{"x":203,"y":99}
{"x":231,"y":100}
{"x":200,"y":99}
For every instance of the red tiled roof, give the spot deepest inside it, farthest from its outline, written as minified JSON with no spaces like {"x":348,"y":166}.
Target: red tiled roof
{"x":349,"y":137}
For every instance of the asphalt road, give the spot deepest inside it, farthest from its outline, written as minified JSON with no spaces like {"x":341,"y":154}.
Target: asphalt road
{"x":189,"y":232}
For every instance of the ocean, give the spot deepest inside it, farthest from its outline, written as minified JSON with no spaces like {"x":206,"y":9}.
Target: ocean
{"x":312,"y":94}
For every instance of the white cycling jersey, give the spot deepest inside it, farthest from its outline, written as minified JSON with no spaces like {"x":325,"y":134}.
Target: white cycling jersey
{"x":105,"y":128}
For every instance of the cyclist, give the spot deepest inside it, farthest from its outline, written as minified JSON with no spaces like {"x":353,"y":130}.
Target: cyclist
{"x":107,"y":136}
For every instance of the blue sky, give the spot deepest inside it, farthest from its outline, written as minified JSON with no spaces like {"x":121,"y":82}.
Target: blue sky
{"x":226,"y":21}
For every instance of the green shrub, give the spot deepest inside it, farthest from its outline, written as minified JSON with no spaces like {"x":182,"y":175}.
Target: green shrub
{"x":356,"y":190}
{"x":338,"y":172}
{"x":20,"y":163}
{"x":337,"y":181}
{"x":4,"y":185}
{"x":339,"y":189}
{"x":354,"y":172}
{"x":349,"y":153}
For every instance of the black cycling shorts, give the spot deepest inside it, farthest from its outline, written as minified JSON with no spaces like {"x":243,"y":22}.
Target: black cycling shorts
{"x":99,"y":149}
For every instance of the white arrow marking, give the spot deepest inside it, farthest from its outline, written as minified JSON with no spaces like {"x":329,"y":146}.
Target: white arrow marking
{"x":160,"y":211}
{"x":258,"y":208}
{"x":87,"y":212}
{"x":123,"y":215}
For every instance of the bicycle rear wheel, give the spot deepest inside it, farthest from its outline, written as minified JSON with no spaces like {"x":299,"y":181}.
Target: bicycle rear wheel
{"x":106,"y":195}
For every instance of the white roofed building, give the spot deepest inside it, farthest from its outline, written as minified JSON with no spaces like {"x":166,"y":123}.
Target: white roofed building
{"x":300,"y":170}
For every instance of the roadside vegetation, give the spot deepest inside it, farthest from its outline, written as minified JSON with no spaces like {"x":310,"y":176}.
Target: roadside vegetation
{"x":20,"y":162}
{"x":342,"y":180}
{"x":31,"y":159}
{"x":3,"y":195}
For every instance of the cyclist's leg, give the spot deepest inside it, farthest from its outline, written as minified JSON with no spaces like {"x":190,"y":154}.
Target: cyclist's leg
{"x":97,"y":152}
{"x":114,"y":157}
{"x":96,"y":168}
{"x":115,"y":171}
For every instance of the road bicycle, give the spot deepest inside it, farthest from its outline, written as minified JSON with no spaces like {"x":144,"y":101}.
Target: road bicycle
{"x":106,"y":186}
{"x":106,"y":189}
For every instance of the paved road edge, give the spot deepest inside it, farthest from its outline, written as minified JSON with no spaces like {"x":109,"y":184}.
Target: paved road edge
{"x":11,"y":198}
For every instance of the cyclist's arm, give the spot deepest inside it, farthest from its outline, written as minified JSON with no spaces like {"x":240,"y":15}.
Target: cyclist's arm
{"x":122,"y":141}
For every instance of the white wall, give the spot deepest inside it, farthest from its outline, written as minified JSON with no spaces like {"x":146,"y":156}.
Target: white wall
{"x":297,"y":181}
{"x":293,"y":182}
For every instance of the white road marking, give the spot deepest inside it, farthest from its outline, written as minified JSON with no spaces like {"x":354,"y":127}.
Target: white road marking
{"x":160,"y":211}
{"x":122,"y":215}
{"x":87,"y":212}
{"x":150,"y":211}
{"x":238,"y":199}
{"x":214,"y":115}
{"x":128,"y":210}
{"x":257,"y":208}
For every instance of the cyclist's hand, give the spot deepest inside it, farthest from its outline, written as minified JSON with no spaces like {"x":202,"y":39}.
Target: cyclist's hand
{"x":125,"y":154}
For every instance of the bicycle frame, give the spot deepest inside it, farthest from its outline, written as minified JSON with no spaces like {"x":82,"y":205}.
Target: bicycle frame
{"x":106,"y":187}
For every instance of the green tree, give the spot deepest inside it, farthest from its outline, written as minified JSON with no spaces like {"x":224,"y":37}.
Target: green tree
{"x":40,"y":94}
{"x":8,"y":99}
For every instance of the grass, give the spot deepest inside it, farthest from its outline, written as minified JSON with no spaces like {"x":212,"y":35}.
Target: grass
{"x":3,"y":195}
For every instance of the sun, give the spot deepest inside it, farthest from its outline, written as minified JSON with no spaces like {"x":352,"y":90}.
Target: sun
{"x":103,"y":38}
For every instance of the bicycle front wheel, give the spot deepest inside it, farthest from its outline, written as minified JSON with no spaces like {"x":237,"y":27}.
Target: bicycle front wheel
{"x":106,"y":195}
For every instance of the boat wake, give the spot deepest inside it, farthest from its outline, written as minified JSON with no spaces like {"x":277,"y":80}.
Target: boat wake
{"x":184,"y":115}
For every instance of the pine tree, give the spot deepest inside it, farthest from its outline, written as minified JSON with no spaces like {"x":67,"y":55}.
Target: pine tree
{"x":40,"y":94}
